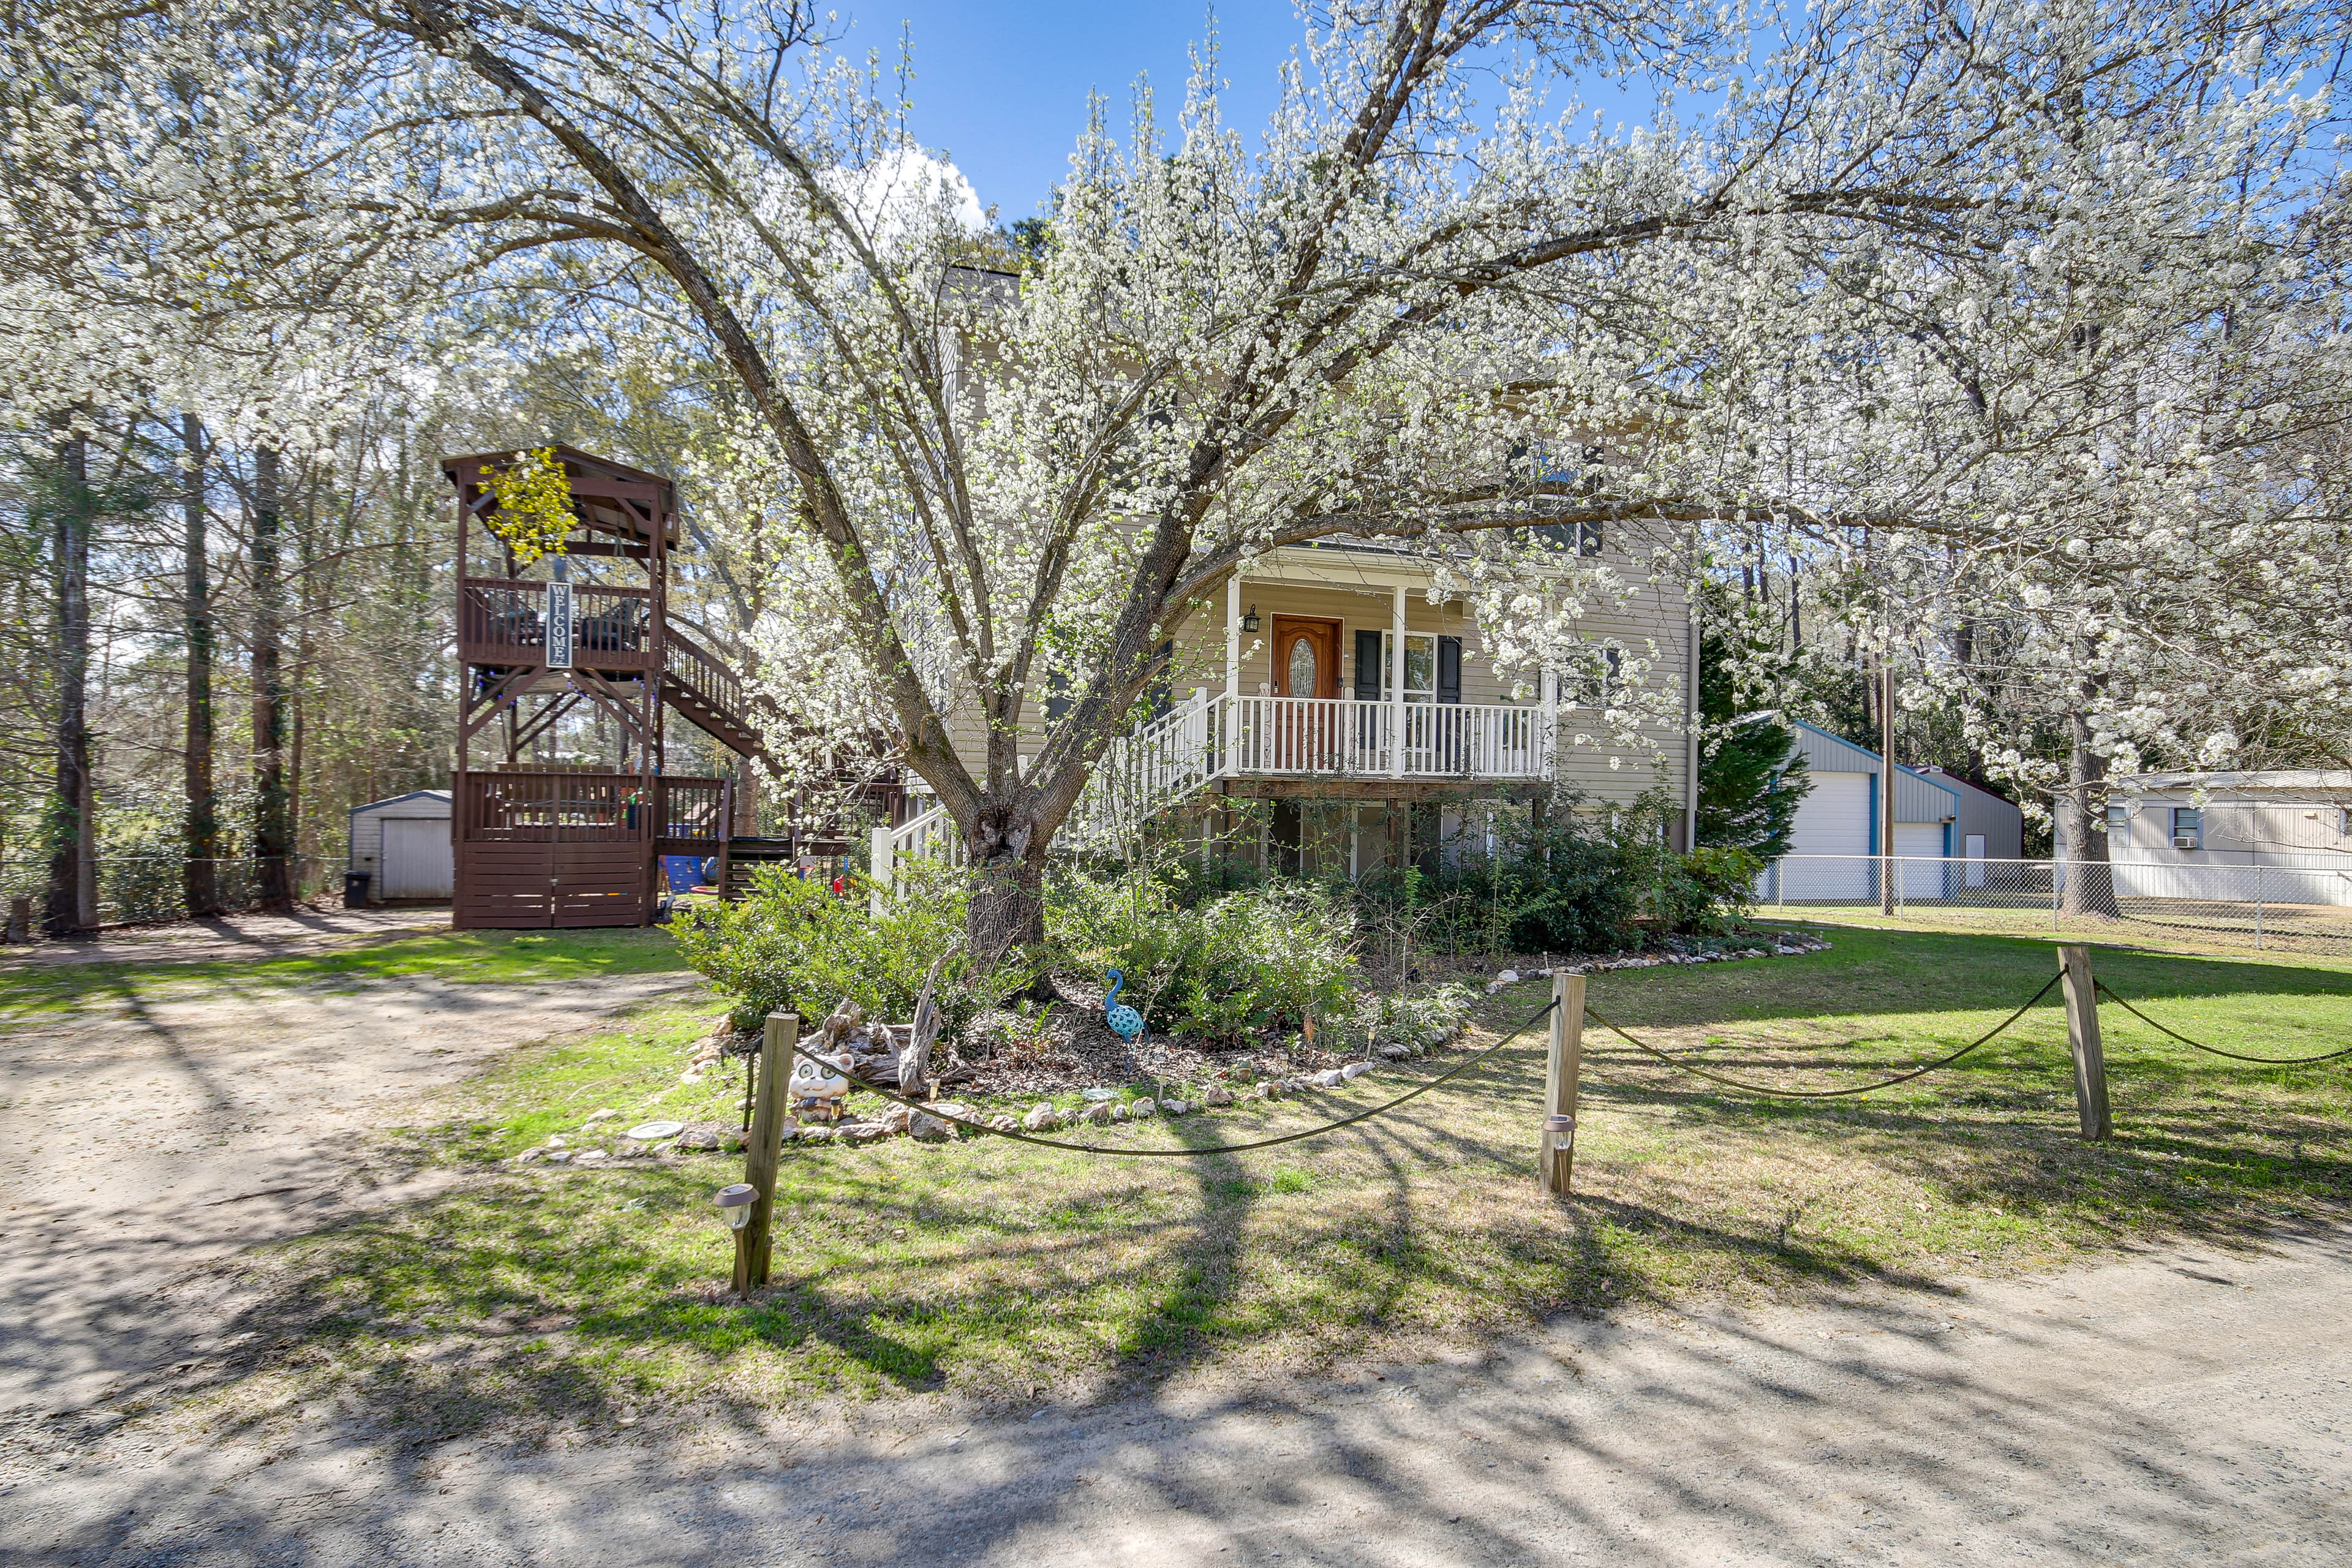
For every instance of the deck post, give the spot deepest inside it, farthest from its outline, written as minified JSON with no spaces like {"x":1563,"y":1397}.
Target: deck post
{"x":1396,"y":684}
{"x":1234,"y":635}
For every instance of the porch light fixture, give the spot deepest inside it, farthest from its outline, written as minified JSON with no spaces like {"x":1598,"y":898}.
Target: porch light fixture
{"x":734,"y":1202}
{"x":1249,"y":621}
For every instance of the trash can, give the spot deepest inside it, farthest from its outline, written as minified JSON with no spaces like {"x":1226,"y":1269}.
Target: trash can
{"x":355,"y":887}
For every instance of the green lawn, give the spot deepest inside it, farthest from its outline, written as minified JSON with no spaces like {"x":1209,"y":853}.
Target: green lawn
{"x":28,"y":989}
{"x":1007,"y":1270}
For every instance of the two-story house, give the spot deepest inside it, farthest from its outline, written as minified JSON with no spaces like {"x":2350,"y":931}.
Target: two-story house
{"x":1372,"y":722}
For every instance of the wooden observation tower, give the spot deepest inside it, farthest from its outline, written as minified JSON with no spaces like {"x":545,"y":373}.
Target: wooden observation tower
{"x":582,"y":633}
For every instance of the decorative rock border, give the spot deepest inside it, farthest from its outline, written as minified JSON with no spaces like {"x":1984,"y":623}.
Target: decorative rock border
{"x":1099,"y":1106}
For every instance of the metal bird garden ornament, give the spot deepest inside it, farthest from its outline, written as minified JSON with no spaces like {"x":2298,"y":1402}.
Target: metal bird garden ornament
{"x":1124,"y":1021}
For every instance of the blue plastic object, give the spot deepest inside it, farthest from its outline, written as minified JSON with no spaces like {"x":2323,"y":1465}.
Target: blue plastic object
{"x":1124,"y":1021}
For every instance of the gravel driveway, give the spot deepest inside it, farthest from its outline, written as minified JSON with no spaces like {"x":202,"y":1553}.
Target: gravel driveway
{"x":141,"y":1139}
{"x":2184,"y":1406}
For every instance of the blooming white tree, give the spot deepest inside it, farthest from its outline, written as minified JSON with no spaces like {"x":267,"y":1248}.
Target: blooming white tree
{"x":1375,"y":321}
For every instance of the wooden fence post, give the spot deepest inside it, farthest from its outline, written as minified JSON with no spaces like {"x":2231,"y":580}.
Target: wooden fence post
{"x":1566,"y":1057}
{"x":782,"y":1031}
{"x":2083,"y":1040}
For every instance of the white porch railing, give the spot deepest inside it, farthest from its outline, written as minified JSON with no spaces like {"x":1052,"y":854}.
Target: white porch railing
{"x":1213,"y":736}
{"x":1311,"y":737}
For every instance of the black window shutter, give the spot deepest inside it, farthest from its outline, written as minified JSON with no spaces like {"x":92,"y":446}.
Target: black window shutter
{"x":1057,"y":694}
{"x":1368,"y":667}
{"x":1449,"y":670}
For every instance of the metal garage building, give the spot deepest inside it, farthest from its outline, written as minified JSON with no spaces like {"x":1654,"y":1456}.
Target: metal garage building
{"x":1938,"y":818}
{"x":403,"y":844}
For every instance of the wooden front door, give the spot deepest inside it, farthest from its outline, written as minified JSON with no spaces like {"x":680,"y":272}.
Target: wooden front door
{"x":1306,"y":657}
{"x":1306,"y":665}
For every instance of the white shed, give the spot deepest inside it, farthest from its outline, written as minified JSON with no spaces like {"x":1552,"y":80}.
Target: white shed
{"x":403,"y":844}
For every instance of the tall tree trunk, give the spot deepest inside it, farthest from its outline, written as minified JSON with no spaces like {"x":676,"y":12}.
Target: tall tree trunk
{"x":305,"y":618}
{"x":73,"y":824}
{"x":2090,"y":889}
{"x":200,"y":832}
{"x":273,"y":831}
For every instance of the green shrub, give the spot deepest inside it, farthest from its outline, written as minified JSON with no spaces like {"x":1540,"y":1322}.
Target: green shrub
{"x":1704,"y":890}
{"x":1586,"y":881}
{"x":1226,"y":967}
{"x":1421,"y":1020}
{"x":795,"y":946}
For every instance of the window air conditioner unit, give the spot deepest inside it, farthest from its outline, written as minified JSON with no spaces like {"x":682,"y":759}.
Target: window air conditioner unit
{"x":2184,"y":841}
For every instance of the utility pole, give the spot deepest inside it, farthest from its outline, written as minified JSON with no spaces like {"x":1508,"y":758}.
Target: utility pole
{"x":1886,"y":776}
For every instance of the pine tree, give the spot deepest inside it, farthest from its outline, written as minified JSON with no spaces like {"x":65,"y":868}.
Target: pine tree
{"x":1750,"y":778}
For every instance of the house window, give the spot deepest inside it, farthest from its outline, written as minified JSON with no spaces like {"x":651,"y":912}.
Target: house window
{"x":1593,"y":691}
{"x":2118,"y":823}
{"x":1420,"y":666}
{"x":2188,"y":828}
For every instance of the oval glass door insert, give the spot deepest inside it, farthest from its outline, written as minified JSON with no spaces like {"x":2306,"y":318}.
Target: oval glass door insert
{"x":1302,"y":667}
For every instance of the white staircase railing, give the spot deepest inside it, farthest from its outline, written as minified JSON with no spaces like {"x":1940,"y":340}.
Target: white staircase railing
{"x":1144,"y":773}
{"x":930,"y":836}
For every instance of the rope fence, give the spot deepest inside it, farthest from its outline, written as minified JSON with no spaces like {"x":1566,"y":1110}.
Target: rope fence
{"x":1761,"y":1090}
{"x":2105,"y":990}
{"x":753,"y":1199}
{"x":1773,"y":1092}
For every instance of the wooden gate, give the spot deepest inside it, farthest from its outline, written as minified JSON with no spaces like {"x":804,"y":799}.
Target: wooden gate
{"x":553,"y":848}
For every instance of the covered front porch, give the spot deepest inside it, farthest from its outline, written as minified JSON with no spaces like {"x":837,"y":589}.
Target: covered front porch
{"x":1344,"y":676}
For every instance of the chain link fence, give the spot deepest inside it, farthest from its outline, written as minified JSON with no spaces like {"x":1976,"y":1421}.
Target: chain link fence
{"x":133,"y":889}
{"x":2303,"y":904}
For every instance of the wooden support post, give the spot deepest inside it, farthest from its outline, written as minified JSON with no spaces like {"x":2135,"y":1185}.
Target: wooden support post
{"x":765,"y":1147}
{"x":2082,"y":1039}
{"x":1565,"y":1059}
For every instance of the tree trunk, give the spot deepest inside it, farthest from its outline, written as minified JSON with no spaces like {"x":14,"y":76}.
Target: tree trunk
{"x":73,"y":825}
{"x":273,"y":832}
{"x":1008,"y":893}
{"x":200,"y":832}
{"x":2090,"y":890}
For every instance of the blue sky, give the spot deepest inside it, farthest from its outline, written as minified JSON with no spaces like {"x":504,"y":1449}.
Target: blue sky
{"x":1003,"y":87}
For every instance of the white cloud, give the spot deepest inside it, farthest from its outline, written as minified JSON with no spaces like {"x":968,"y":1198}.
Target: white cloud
{"x":887,"y":193}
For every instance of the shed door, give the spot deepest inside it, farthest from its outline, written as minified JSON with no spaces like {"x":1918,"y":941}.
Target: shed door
{"x":1920,"y":847}
{"x":416,"y":863}
{"x":1833,"y":820}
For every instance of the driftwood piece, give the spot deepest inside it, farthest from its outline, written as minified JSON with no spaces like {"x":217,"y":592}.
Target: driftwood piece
{"x":915,"y":1062}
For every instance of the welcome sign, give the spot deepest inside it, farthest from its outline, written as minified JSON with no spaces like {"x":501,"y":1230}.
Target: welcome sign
{"x":559,"y":626}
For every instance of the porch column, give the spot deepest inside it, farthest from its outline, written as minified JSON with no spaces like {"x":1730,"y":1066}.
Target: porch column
{"x":1550,"y":679}
{"x":1234,"y":635}
{"x":1396,"y":684}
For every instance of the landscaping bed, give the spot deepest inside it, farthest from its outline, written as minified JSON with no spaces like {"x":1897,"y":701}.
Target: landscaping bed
{"x":1049,"y":1055}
